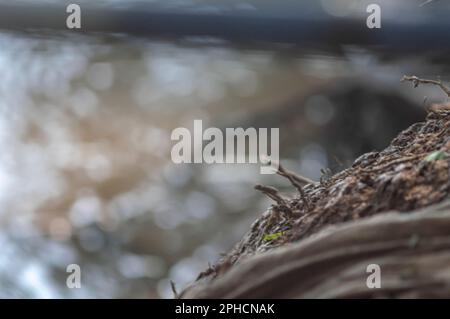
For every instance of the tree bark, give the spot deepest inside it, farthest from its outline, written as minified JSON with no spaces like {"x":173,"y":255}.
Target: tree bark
{"x":412,"y":250}
{"x":390,"y":209}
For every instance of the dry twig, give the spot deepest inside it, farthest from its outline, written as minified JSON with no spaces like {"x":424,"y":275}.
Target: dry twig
{"x":272,"y":193}
{"x":297,"y":181}
{"x":174,"y":290}
{"x":426,"y":2}
{"x":416,"y":81}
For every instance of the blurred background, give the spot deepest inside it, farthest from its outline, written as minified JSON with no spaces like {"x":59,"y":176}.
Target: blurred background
{"x":85,"y":123}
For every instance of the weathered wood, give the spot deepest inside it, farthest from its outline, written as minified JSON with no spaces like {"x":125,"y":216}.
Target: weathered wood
{"x":413,"y":251}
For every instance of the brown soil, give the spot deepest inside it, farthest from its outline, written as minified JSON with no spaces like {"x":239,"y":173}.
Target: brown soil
{"x":411,"y":173}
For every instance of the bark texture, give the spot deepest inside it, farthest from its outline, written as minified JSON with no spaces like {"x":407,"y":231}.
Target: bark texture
{"x":390,"y":209}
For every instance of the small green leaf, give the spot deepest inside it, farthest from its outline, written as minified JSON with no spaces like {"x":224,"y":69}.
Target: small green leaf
{"x":273,"y":236}
{"x":437,"y":155}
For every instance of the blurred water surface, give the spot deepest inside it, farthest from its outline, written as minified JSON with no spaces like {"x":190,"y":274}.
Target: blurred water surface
{"x":85,"y":171}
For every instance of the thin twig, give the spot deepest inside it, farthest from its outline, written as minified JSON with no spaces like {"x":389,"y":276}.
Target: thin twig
{"x":416,"y":81}
{"x":297,"y":181}
{"x":283,"y":172}
{"x":174,"y":290}
{"x":272,"y":193}
{"x":425,"y":3}
{"x":302,"y":180}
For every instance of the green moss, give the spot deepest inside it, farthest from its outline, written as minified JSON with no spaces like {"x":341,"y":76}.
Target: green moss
{"x":436,"y":155}
{"x":273,"y":236}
